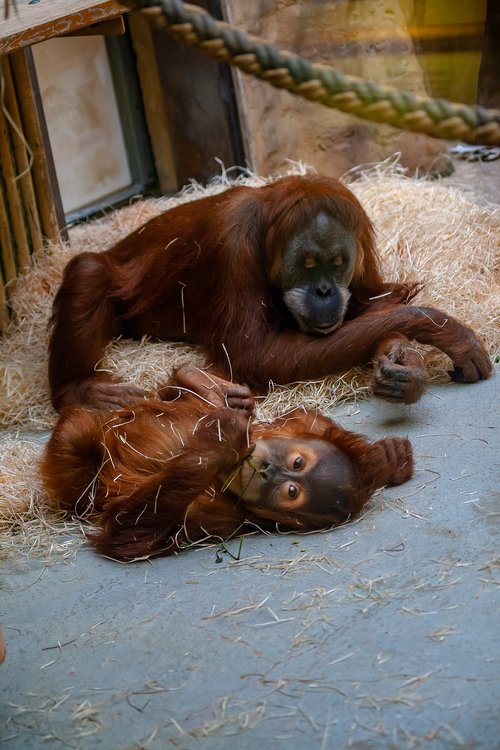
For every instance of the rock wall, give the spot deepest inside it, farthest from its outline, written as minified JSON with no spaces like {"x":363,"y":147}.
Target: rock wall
{"x":373,"y":39}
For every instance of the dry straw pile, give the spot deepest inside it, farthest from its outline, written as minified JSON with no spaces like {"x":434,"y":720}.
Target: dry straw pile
{"x":426,"y":231}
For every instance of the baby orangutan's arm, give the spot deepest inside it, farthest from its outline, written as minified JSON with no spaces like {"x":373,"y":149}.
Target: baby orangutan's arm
{"x":209,"y":387}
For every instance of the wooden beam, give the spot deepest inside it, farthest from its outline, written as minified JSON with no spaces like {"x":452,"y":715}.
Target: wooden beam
{"x":111,"y":27}
{"x":154,"y":106}
{"x":33,"y":23}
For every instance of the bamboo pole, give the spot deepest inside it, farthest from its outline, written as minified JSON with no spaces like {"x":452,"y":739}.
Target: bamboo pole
{"x":4,"y":310}
{"x":8,"y":255}
{"x":7,"y":262}
{"x":32,"y":130}
{"x":12,"y":195}
{"x":24,"y":169}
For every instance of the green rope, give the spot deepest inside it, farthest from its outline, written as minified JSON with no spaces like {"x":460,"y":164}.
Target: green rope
{"x":331,"y":87}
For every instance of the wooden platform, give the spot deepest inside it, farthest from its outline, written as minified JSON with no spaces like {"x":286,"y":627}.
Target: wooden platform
{"x":29,"y":24}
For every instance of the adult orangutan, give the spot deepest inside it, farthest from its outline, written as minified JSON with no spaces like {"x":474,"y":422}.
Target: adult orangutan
{"x":163,"y":474}
{"x":279,"y":283}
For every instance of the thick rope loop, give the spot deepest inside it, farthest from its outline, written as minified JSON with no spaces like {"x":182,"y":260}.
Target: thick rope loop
{"x":329,"y":86}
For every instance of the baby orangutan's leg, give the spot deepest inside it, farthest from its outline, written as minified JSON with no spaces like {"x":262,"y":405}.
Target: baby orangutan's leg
{"x":399,"y":372}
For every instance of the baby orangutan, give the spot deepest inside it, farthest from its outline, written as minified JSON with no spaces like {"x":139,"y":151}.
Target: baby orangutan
{"x":191,"y":466}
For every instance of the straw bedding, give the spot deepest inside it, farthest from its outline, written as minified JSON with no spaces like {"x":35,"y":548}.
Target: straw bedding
{"x":426,"y":231}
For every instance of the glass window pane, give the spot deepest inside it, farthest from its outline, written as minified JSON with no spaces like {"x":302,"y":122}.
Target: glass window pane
{"x":82,"y":119}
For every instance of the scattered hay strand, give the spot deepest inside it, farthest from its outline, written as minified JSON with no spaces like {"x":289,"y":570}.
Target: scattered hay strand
{"x":27,"y":523}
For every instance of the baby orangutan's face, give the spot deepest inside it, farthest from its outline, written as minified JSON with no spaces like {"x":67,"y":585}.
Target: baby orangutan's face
{"x":296,"y":474}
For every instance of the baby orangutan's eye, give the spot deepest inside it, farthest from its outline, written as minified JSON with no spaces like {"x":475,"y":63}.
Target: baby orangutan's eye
{"x":293,"y":491}
{"x":298,"y":463}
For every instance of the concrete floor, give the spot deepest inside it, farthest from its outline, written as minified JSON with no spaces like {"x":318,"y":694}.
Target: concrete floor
{"x":382,"y":634}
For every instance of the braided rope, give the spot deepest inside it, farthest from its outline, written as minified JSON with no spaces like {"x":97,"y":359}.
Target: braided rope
{"x":321,"y":83}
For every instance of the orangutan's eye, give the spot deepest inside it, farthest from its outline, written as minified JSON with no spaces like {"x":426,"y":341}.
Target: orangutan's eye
{"x":298,"y":463}
{"x":293,"y":491}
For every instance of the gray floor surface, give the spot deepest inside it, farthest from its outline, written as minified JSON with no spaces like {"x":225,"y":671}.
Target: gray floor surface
{"x":384,"y":633}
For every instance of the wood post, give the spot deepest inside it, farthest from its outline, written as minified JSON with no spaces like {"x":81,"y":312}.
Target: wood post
{"x":29,"y":198}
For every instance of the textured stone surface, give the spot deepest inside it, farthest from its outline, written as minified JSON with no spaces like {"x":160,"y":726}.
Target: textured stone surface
{"x":369,"y":39}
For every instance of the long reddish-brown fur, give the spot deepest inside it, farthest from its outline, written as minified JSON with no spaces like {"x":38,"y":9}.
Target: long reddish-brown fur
{"x":152,"y":477}
{"x":206,"y":272}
